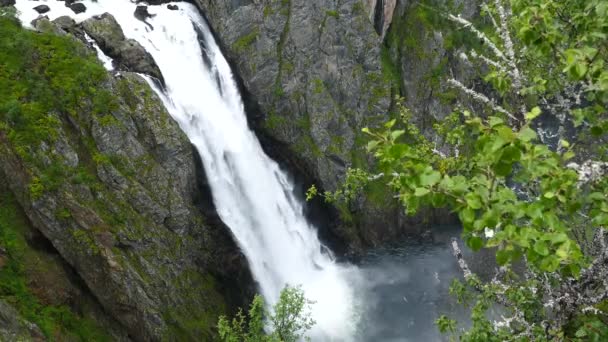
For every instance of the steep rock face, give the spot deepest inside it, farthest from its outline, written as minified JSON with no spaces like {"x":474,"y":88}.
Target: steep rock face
{"x":314,"y":69}
{"x":39,"y":284}
{"x":113,"y":185}
{"x":424,"y":47}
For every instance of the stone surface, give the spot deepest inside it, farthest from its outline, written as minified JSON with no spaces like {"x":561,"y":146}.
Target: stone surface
{"x":42,"y":9}
{"x":6,"y":3}
{"x":132,"y":218}
{"x":78,"y":8}
{"x":15,"y":328}
{"x":312,"y":78}
{"x":128,"y":54}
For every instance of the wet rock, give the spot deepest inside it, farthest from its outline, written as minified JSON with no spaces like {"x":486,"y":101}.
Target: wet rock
{"x":6,"y":3}
{"x":128,"y":54}
{"x":141,"y":13}
{"x":43,"y":24}
{"x":78,"y":8}
{"x":42,"y":9}
{"x":172,"y":7}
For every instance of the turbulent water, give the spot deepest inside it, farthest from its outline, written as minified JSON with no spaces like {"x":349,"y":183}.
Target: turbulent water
{"x":253,"y":196}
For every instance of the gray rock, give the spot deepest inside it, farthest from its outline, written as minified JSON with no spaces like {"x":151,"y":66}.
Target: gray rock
{"x":42,"y":9}
{"x":15,"y":328}
{"x":78,"y":8}
{"x":6,"y":3}
{"x":128,"y":54}
{"x":172,"y":7}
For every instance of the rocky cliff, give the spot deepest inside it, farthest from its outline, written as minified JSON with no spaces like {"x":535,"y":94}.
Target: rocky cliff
{"x":314,"y":73}
{"x":107,"y":177}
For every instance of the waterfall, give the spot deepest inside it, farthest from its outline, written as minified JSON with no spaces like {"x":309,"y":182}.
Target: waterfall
{"x":253,"y":196}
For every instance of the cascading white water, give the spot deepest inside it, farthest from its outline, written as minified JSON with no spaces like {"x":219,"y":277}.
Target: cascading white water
{"x":252,"y":195}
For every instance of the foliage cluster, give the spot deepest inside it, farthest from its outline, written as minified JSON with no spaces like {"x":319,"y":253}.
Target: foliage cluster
{"x":288,"y":321}
{"x":514,"y":184}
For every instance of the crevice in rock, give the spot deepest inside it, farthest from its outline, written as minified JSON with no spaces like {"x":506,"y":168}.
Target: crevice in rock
{"x":379,"y":17}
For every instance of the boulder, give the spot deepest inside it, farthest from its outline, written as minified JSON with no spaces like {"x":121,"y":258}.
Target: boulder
{"x":141,"y":13}
{"x":78,"y":8}
{"x":42,"y":9}
{"x":172,"y":7}
{"x":128,"y":54}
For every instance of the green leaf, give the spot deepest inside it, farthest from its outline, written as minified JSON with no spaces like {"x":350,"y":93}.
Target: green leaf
{"x":473,"y":200}
{"x":475,"y":243}
{"x":597,"y":131}
{"x":438,"y":200}
{"x":506,"y":133}
{"x":372,"y":145}
{"x":503,"y":169}
{"x":419,"y":192}
{"x":396,"y":134}
{"x":467,"y":215}
{"x":559,"y":238}
{"x":549,"y":194}
{"x":390,"y":124}
{"x":582,"y":332}
{"x":511,"y":154}
{"x":564,"y":143}
{"x":430,"y":179}
{"x":527,"y":134}
{"x":549,"y":264}
{"x":503,"y":257}
{"x":533,"y":114}
{"x":563,"y":252}
{"x":541,"y":248}
{"x":495,"y":121}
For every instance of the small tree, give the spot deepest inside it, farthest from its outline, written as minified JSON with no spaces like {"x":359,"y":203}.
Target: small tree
{"x":288,"y":321}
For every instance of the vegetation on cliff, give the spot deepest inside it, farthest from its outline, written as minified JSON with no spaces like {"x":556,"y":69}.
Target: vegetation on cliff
{"x":522,"y":161}
{"x":102,"y":171}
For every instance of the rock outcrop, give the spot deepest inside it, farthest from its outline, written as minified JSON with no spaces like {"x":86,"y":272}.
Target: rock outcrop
{"x":128,"y":54}
{"x":114,"y":186}
{"x":14,"y":328}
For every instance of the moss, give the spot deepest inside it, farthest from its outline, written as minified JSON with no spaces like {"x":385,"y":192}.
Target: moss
{"x":332,"y":13}
{"x":274,"y":121}
{"x":317,"y":86}
{"x":244,"y":43}
{"x":358,"y":8}
{"x":56,"y":322}
{"x":268,"y":11}
{"x":193,"y":321}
